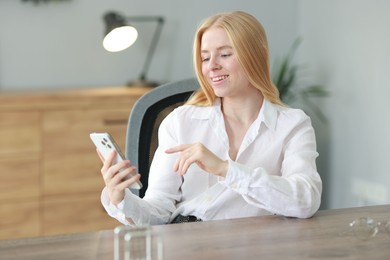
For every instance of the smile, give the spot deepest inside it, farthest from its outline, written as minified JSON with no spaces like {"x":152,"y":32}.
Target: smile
{"x":219,"y":78}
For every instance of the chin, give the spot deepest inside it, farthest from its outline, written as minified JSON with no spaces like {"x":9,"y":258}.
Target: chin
{"x":219,"y":91}
{"x":219,"y":94}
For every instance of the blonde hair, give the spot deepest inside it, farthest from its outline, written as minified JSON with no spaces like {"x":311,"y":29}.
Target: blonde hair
{"x":249,"y":42}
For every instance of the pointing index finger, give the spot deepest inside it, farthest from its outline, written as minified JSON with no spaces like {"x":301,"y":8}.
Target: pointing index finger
{"x":176,"y":149}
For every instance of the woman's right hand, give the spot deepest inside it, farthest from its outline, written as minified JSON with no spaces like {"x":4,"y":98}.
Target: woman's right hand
{"x":115,"y":177}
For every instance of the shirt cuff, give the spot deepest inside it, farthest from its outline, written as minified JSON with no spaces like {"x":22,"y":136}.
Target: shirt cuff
{"x":238,"y":177}
{"x":115,"y":211}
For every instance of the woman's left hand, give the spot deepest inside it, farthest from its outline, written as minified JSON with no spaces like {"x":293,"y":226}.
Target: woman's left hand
{"x":199,"y":154}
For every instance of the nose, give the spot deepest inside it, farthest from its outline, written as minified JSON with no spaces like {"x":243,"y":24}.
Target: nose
{"x":214,"y":64}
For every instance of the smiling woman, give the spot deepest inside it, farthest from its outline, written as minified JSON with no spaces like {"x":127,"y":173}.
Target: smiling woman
{"x":232,"y":150}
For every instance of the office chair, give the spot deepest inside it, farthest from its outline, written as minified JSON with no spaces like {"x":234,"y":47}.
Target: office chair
{"x":144,"y":121}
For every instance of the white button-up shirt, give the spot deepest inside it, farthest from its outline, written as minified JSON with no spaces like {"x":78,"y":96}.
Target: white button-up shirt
{"x":274,"y":172}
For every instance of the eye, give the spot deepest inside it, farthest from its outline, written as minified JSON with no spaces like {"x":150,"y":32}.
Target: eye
{"x":204,"y":59}
{"x":226,"y":55}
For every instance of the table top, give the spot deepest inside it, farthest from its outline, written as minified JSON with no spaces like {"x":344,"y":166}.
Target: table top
{"x":324,"y":236}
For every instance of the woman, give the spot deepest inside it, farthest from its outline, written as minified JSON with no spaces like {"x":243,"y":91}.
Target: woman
{"x":234,"y":150}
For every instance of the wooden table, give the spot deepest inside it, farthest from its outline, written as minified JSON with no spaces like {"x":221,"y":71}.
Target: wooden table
{"x":325,"y":236}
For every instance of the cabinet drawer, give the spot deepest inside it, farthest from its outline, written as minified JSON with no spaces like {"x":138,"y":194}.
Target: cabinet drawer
{"x":70,"y":161}
{"x":75,"y":213}
{"x":19,"y":133}
{"x":19,"y":219}
{"x":68,"y":130}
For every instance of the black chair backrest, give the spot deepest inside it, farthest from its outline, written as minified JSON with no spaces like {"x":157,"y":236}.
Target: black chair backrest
{"x":144,"y":121}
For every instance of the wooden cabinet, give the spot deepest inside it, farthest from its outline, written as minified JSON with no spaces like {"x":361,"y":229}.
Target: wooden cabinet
{"x":20,"y":144}
{"x":50,"y":180}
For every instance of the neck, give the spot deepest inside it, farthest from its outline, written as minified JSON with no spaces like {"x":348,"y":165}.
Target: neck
{"x":244,"y":111}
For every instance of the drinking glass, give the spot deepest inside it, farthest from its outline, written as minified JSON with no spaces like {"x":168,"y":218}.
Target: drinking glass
{"x":366,"y":228}
{"x":137,"y":243}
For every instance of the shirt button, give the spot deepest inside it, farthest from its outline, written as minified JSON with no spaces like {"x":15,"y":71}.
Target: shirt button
{"x":233,"y":186}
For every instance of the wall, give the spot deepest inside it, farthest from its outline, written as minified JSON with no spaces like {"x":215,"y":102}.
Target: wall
{"x":347,"y":42}
{"x":58,"y":45}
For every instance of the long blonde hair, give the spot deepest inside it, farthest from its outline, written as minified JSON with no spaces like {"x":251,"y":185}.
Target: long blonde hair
{"x":249,"y":42}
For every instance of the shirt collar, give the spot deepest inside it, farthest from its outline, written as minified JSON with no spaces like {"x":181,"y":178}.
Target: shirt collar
{"x":268,"y":113}
{"x":205,"y":112}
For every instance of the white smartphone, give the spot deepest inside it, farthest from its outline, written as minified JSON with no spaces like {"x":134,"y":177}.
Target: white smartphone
{"x":105,"y":143}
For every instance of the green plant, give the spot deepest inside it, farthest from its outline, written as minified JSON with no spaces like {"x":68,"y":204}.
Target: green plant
{"x":285,"y":77}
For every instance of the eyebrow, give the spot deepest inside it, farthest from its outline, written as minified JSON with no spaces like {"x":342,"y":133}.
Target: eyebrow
{"x":219,"y":48}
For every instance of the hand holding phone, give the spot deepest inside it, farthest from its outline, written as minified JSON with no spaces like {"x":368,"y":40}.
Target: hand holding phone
{"x":105,"y":143}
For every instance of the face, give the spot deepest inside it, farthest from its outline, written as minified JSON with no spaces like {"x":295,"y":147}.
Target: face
{"x":220,"y":66}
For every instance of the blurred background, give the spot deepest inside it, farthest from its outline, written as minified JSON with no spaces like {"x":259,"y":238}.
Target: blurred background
{"x":58,"y":45}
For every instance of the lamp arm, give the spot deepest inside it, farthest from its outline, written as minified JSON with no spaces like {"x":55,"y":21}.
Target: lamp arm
{"x":152,"y":48}
{"x":160,"y":22}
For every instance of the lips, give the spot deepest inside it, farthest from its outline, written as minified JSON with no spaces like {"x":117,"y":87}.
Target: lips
{"x":219,"y":78}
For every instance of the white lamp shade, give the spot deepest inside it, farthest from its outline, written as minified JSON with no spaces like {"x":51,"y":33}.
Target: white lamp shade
{"x":120,"y":38}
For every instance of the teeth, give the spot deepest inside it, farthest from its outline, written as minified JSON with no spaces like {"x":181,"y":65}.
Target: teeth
{"x":218,"y":78}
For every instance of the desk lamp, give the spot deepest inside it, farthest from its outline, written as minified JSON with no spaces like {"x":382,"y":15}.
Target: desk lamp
{"x":120,"y":35}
